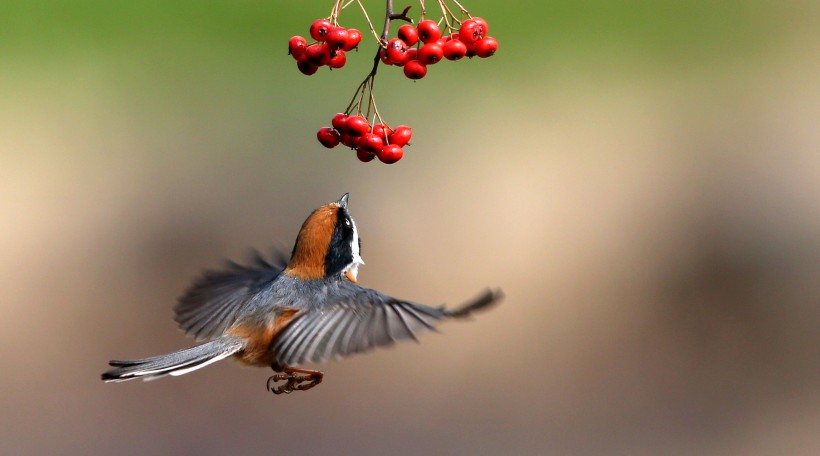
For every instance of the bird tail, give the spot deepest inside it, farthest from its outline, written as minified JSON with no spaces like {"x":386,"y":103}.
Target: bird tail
{"x":177,"y":363}
{"x":480,"y":302}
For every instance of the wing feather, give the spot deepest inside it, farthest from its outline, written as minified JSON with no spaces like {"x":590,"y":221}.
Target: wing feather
{"x":359,"y":320}
{"x":213,"y":301}
{"x":332,"y":348}
{"x":416,"y":314}
{"x":299,"y":330}
{"x":320,"y":339}
{"x":399,"y":318}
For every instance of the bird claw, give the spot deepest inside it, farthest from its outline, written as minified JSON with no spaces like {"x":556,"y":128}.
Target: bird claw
{"x":294,"y":381}
{"x":279,"y":389}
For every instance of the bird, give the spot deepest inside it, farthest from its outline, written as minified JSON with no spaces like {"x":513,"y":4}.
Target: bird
{"x":283,"y":313}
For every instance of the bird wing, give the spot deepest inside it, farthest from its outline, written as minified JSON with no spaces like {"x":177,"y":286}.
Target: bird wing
{"x":213,"y":301}
{"x":359,"y":321}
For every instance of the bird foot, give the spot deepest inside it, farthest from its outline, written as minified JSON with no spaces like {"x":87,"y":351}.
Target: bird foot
{"x":295,"y":380}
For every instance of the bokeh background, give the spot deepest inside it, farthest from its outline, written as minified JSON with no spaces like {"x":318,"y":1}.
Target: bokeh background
{"x":641,"y":178}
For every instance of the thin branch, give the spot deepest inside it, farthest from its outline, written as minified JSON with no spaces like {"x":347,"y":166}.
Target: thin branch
{"x":367,"y":84}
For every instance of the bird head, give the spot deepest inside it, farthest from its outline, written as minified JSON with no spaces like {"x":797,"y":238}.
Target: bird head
{"x":328,"y":244}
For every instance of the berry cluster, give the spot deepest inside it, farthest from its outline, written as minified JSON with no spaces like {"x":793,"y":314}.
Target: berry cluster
{"x":367,"y":140}
{"x":457,"y":34}
{"x":329,"y":49}
{"x":430,"y":46}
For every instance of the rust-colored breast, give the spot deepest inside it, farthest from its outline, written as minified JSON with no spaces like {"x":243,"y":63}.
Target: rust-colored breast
{"x":257,"y":352}
{"x":308,"y":260}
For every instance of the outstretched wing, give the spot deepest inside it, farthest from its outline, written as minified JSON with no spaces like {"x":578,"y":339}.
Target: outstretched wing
{"x":360,"y":321}
{"x":212,"y":303}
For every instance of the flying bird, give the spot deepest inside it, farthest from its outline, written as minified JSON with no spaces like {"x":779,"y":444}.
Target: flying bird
{"x":282,"y":313}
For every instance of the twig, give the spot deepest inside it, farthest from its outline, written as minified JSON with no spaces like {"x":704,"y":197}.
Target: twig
{"x":367,"y":84}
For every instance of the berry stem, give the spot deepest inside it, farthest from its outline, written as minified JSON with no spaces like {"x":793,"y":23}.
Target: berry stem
{"x":372,"y":103}
{"x":338,"y":7}
{"x":370,"y":24}
{"x":361,"y":95}
{"x":444,"y":15}
{"x":463,"y":9}
{"x":355,"y":95}
{"x":334,"y":12}
{"x":367,"y":85}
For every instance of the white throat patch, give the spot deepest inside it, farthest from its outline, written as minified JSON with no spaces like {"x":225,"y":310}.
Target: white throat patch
{"x":353,"y":268}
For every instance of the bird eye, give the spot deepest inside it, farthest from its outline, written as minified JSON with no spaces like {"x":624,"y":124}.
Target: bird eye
{"x":347,"y":222}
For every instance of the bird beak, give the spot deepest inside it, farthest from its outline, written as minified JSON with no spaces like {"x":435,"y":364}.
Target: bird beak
{"x":343,"y":201}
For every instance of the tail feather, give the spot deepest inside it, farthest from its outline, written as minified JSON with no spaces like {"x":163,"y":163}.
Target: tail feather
{"x":484,"y":300}
{"x":177,"y":363}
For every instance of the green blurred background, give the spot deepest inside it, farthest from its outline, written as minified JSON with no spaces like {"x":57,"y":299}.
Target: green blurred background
{"x":640,"y":177}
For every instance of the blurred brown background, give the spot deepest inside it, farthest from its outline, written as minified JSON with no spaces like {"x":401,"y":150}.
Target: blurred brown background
{"x":641,"y":178}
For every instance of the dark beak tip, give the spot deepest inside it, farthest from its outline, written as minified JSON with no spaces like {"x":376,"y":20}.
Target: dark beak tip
{"x":343,"y":200}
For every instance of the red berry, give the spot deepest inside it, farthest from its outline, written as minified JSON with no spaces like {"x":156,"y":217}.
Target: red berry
{"x":470,"y":32}
{"x":486,"y":47}
{"x":414,"y":69}
{"x":296,"y":46}
{"x":382,"y":131}
{"x":401,"y":135}
{"x":306,"y":67}
{"x":364,"y":156}
{"x":337,"y":59}
{"x":428,"y":31}
{"x":320,"y":28}
{"x":328,"y":137}
{"x":397,"y":51}
{"x":354,"y":36}
{"x":409,"y":34}
{"x":357,"y":126}
{"x":383,"y":56}
{"x":430,"y":53}
{"x":348,"y":140}
{"x":337,"y":37}
{"x":483,"y":24}
{"x":412,"y":54}
{"x":471,"y":49}
{"x":317,"y":54}
{"x":454,"y":50}
{"x":371,"y":143}
{"x":338,"y":122}
{"x":390,"y":153}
